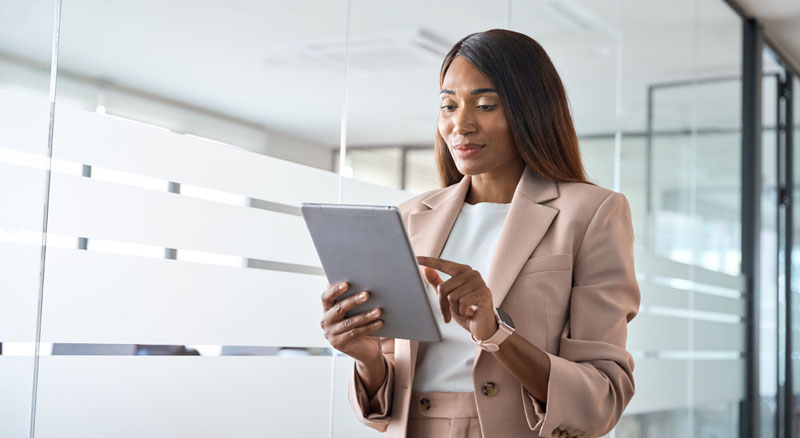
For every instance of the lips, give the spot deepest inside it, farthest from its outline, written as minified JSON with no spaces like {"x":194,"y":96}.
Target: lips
{"x":466,"y":150}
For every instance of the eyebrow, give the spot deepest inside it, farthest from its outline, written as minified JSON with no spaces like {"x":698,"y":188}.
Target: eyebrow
{"x":475,"y":91}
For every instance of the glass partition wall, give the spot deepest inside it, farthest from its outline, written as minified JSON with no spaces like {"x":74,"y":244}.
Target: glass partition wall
{"x":26,"y":42}
{"x":184,"y":141}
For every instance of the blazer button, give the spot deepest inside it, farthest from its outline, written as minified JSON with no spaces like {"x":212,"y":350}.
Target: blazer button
{"x":556,"y":433}
{"x":489,"y":389}
{"x":424,"y":404}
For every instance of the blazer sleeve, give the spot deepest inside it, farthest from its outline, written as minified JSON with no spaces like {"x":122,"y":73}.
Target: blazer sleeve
{"x":591,"y":380}
{"x":374,"y":411}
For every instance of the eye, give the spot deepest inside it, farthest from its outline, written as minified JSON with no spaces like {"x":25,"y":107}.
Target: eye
{"x":448,"y":107}
{"x":487,"y":107}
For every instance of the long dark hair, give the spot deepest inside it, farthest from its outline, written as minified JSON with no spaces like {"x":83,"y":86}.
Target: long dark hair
{"x":533,"y":99}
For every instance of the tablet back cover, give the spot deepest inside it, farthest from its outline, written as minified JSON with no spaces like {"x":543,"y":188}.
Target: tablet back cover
{"x":368,"y":247}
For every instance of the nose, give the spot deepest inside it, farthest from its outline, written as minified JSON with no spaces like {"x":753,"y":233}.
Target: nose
{"x":464,"y":121}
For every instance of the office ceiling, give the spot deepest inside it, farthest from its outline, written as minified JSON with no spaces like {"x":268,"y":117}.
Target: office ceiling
{"x":781,"y":20}
{"x":280,"y":64}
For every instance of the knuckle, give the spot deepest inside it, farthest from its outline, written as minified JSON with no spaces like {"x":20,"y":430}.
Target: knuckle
{"x":348,"y":322}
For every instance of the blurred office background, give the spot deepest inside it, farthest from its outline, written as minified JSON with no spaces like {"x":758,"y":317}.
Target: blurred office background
{"x":156,"y":278}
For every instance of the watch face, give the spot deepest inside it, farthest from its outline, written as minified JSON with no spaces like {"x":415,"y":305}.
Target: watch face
{"x":504,"y":318}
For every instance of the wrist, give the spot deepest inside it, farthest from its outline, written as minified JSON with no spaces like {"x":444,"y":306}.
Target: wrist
{"x":372,"y":374}
{"x":370,"y":365}
{"x":487,"y":330}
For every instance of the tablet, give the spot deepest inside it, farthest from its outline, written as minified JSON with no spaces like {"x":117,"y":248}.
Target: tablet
{"x":367,"y":246}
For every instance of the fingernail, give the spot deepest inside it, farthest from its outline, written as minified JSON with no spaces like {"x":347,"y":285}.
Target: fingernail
{"x":362,"y":296}
{"x":374,"y":312}
{"x":341,"y":286}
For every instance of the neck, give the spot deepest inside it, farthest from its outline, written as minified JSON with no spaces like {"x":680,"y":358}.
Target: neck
{"x":497,"y":185}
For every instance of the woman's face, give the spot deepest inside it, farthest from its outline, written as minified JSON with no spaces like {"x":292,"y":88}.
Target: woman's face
{"x":472,"y":121}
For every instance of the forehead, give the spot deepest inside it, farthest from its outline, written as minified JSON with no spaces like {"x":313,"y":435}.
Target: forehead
{"x":463,"y":76}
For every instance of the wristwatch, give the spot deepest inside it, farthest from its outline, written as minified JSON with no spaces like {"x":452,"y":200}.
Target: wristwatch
{"x":504,"y":329}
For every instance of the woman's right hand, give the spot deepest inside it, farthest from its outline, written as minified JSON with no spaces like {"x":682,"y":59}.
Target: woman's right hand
{"x":350,"y":335}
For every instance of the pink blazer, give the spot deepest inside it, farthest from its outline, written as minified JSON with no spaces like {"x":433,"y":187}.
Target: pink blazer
{"x":563,"y":270}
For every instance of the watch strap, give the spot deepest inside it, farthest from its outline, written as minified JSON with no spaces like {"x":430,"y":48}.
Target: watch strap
{"x":493,"y":342}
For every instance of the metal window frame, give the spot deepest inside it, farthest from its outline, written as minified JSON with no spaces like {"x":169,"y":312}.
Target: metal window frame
{"x":754,"y":40}
{"x":788,"y":93}
{"x":752,"y":46}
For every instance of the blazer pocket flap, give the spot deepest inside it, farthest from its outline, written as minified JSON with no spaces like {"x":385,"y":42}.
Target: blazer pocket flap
{"x":556,"y":262}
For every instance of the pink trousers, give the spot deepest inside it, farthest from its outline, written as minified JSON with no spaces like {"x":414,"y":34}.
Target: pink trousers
{"x":443,"y":415}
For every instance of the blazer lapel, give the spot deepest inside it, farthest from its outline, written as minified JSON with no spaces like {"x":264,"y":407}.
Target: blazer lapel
{"x":428,"y":231}
{"x":525,"y":226}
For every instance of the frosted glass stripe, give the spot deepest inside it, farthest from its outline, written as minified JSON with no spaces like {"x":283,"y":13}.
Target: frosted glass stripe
{"x":128,"y":146}
{"x":654,"y":265}
{"x":664,"y":384}
{"x":659,"y":295}
{"x":21,"y":197}
{"x":358,"y":192}
{"x":99,"y":140}
{"x":162,"y":396}
{"x":108,"y":298}
{"x":649,"y":332}
{"x":24,"y":122}
{"x":97,"y":209}
{"x":16,"y":379}
{"x":19,"y":291}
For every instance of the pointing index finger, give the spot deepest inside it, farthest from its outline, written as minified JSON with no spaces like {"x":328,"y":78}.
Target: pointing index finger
{"x":446,"y":266}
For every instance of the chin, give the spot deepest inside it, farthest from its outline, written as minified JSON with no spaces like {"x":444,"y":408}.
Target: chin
{"x":469,"y":168}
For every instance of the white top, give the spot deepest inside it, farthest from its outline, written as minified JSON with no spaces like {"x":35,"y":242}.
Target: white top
{"x":447,"y":366}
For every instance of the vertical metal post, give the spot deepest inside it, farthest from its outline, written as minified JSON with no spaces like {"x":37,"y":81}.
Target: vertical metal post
{"x":752,"y":46}
{"x":788,"y":199}
{"x":649,"y":218}
{"x":403,"y":167}
{"x":781,"y":226}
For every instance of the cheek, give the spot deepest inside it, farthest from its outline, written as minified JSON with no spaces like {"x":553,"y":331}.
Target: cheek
{"x":502,"y":131}
{"x":444,"y":127}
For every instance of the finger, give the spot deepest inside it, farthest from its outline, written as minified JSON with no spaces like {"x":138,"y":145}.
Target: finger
{"x":357,"y":321}
{"x":450,"y":268}
{"x":432,"y":277}
{"x":459,"y":280}
{"x":339,"y":309}
{"x":444,"y":306}
{"x":470,"y":303}
{"x":455,"y":297}
{"x":452,"y":284}
{"x":330,"y":294}
{"x":364,"y":330}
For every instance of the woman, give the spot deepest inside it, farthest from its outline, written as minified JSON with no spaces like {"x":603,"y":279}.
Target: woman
{"x":518,"y":228}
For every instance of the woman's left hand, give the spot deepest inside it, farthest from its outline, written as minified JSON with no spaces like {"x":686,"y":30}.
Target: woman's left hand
{"x":464,"y":297}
